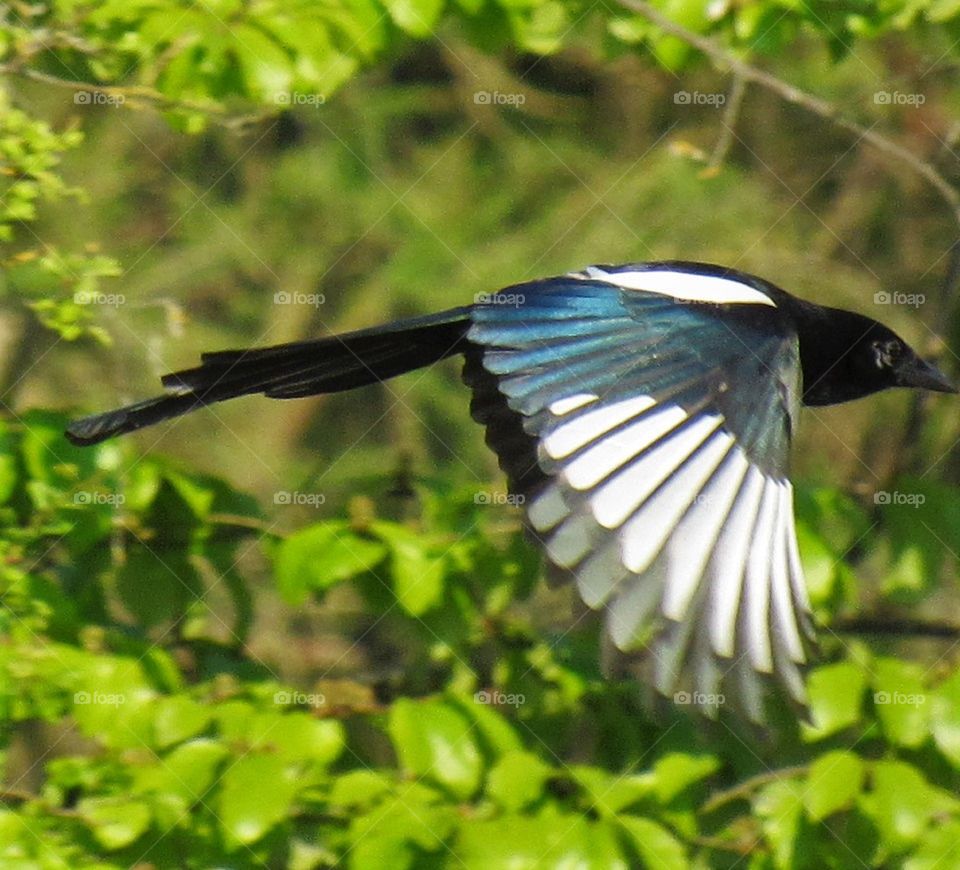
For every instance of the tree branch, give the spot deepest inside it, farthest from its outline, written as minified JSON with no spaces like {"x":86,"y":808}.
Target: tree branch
{"x":876,"y":625}
{"x":749,"y":73}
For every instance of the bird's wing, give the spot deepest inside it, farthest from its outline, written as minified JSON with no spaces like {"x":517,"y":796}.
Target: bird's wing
{"x":662,"y":424}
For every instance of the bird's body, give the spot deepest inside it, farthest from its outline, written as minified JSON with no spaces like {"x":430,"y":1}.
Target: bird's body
{"x":645,"y":412}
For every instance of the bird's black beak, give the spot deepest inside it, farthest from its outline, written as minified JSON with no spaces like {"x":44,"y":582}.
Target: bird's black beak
{"x":921,"y":375}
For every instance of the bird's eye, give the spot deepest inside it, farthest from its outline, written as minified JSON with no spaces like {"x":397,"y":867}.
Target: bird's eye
{"x":886,"y":353}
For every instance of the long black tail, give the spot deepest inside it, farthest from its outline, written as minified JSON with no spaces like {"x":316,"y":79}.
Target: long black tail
{"x":288,"y":371}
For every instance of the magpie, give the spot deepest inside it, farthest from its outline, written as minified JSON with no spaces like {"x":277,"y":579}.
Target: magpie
{"x":644,"y":412}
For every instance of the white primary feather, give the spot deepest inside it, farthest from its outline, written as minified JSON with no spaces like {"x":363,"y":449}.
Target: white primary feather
{"x":620,"y":497}
{"x":564,"y":406}
{"x":609,"y":453}
{"x":645,"y":534}
{"x":784,"y":619}
{"x":590,"y":425}
{"x":756,"y":589}
{"x":547,"y":509}
{"x":728,"y":564}
{"x":691,"y":544}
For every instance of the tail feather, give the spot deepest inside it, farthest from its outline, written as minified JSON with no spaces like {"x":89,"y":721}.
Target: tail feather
{"x":286,"y":371}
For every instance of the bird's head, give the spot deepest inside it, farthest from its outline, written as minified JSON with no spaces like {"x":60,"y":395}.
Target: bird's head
{"x":847,"y":356}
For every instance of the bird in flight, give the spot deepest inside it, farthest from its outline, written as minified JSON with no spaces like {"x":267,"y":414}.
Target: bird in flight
{"x":645,"y":413}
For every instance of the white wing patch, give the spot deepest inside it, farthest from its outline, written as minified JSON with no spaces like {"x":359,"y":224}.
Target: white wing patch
{"x":687,"y":286}
{"x":584,"y":428}
{"x":571,"y":403}
{"x":604,"y":457}
{"x":664,"y":521}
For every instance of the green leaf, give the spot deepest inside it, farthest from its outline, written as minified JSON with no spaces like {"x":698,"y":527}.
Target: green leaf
{"x":436,"y":741}
{"x":540,"y":28}
{"x":48,"y":456}
{"x":833,"y":783}
{"x":609,"y":794}
{"x":671,"y":51}
{"x":177,"y":718}
{"x":157,"y":584}
{"x":192,"y":767}
{"x":318,"y":64}
{"x":418,"y":573}
{"x":195,"y":492}
{"x":836,"y":699}
{"x":945,"y":717}
{"x":360,"y":788}
{"x":901,"y":803}
{"x":658,"y":848}
{"x":322,"y":555}
{"x":267,"y":68}
{"x":298,"y":737}
{"x":496,"y":735}
{"x":676,"y":771}
{"x":824,"y":572}
{"x":416,"y":17}
{"x":116,"y":822}
{"x":8,"y":464}
{"x":901,"y":701}
{"x":374,"y":850}
{"x":517,"y":779}
{"x":780,"y":809}
{"x":943,"y":10}
{"x":938,"y":850}
{"x":918,"y":515}
{"x":530,"y":843}
{"x":632,"y":29}
{"x":256,"y":794}
{"x":416,"y":814}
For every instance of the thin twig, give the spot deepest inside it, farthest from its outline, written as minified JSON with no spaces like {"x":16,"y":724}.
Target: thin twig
{"x":731,"y":113}
{"x":240,"y":521}
{"x":896,"y":627}
{"x":791,"y":94}
{"x":742,"y":790}
{"x":214,"y":111}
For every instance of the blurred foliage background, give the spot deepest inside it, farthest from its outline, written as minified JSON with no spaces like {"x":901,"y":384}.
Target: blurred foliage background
{"x":311,"y":634}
